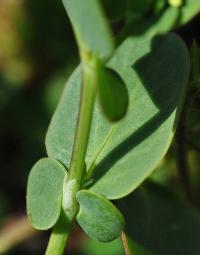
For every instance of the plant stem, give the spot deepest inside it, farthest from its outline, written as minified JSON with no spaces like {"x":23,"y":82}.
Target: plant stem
{"x":125,"y":243}
{"x":59,"y":236}
{"x":84,"y":121}
{"x":72,"y":183}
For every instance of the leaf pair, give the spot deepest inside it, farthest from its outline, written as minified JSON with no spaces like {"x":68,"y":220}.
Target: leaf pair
{"x":121,"y":155}
{"x":44,"y":193}
{"x":98,"y":217}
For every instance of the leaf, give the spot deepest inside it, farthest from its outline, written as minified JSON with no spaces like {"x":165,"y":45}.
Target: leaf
{"x":44,"y":193}
{"x":188,"y":10}
{"x":125,"y":153}
{"x":98,"y":217}
{"x":113,"y":94}
{"x":153,"y":25}
{"x":61,"y":131}
{"x":160,"y":223}
{"x":91,"y":28}
{"x":170,"y":18}
{"x":92,"y":247}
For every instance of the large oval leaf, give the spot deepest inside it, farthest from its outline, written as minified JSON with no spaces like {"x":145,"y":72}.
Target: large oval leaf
{"x":155,"y":72}
{"x":44,"y":193}
{"x":98,"y":217}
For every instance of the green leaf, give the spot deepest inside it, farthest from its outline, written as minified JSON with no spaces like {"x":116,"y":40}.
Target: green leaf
{"x":124,"y":154}
{"x":91,"y":28}
{"x":61,"y":131}
{"x":98,"y":217}
{"x":188,"y":10}
{"x":44,"y":193}
{"x":153,"y":25}
{"x":113,"y":94}
{"x":92,"y":247}
{"x":160,"y":223}
{"x":156,"y":73}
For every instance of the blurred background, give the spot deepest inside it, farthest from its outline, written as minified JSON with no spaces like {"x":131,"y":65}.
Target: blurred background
{"x":37,"y":54}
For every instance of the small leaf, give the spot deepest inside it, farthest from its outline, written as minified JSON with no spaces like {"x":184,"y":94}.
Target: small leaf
{"x":44,"y":193}
{"x":98,"y":217}
{"x":113,"y":94}
{"x":92,"y":31}
{"x":188,"y":10}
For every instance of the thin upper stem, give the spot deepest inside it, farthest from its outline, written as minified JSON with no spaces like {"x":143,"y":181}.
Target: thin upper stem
{"x":84,"y":121}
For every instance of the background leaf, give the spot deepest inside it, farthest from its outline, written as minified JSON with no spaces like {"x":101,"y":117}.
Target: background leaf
{"x":160,"y":223}
{"x":98,"y":217}
{"x":44,"y":193}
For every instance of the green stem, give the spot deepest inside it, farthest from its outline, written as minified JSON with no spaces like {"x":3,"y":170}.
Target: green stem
{"x":59,"y":236}
{"x":84,"y":121}
{"x":72,"y":183}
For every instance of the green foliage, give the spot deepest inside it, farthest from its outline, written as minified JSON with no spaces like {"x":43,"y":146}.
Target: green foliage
{"x":160,"y":222}
{"x":148,"y":128}
{"x":92,"y":247}
{"x":144,"y":81}
{"x":44,"y":193}
{"x":149,"y":125}
{"x":141,"y":20}
{"x":113,"y":94}
{"x":98,"y":217}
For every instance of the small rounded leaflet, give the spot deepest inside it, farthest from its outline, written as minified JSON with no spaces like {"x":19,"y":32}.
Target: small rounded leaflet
{"x":98,"y":217}
{"x":44,"y":193}
{"x":113,"y":94}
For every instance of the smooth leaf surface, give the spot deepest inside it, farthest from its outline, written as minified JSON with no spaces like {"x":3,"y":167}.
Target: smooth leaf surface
{"x":98,"y":217}
{"x":92,"y":247}
{"x":156,"y":73}
{"x":188,"y":10}
{"x":90,"y":25}
{"x":153,"y":25}
{"x":160,"y":223}
{"x":126,"y":153}
{"x":44,"y":193}
{"x":113,"y":94}
{"x":170,"y":18}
